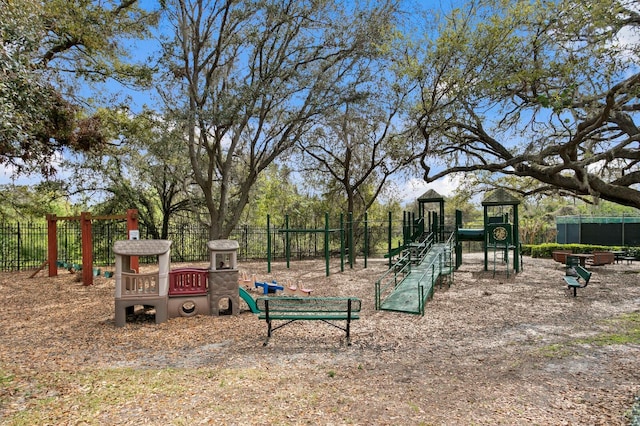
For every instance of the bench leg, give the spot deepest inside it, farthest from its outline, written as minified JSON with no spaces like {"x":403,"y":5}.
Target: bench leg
{"x":575,"y":289}
{"x":266,"y":342}
{"x":348,"y":328}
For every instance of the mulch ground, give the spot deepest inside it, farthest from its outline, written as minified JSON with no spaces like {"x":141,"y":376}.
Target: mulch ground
{"x":489,"y":350}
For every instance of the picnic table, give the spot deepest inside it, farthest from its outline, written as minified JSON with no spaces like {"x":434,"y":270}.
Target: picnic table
{"x":619,"y":255}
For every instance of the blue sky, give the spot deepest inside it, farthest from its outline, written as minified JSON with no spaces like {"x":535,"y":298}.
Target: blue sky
{"x":409,"y":190}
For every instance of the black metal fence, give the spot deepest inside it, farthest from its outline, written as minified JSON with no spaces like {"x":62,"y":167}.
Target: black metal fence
{"x":24,"y":245}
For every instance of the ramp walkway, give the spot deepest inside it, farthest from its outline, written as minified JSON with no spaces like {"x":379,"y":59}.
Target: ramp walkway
{"x":408,"y":284}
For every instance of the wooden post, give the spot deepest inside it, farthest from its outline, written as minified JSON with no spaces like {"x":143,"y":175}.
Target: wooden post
{"x":132,"y":225}
{"x":52,"y":244}
{"x":87,"y":248}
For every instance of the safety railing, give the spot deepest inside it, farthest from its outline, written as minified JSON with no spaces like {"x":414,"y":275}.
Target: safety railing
{"x":392,"y":278}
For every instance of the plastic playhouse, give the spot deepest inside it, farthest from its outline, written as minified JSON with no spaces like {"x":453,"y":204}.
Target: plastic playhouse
{"x":182,"y":292}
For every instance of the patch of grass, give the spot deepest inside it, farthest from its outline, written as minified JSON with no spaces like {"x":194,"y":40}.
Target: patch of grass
{"x":56,"y":397}
{"x":556,"y":350}
{"x":624,"y":338}
{"x":627,"y":331}
{"x":414,"y":407}
{"x":6,"y":378}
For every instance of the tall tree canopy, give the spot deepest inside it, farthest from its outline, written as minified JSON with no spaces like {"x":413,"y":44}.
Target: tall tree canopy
{"x":145,"y":167}
{"x":250,"y":76}
{"x":46,"y":49}
{"x":547,"y":90}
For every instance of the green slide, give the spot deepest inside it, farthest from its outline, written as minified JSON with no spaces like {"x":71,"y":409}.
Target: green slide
{"x":250,"y":302}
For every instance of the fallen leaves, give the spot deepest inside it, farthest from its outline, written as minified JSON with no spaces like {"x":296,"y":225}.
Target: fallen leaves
{"x":487,"y":351}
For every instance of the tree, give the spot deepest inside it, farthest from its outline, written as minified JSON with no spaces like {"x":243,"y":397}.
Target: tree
{"x":32,"y":202}
{"x":249,"y":77}
{"x":276,"y":194}
{"x":354,"y":152}
{"x":546,"y":90}
{"x":145,"y":167}
{"x":47,"y":49}
{"x":357,"y":148}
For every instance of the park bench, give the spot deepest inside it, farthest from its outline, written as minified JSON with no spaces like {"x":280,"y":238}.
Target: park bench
{"x":579,"y":281}
{"x":291,"y":309}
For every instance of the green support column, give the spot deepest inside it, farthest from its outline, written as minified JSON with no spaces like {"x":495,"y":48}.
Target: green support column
{"x":458,"y":242}
{"x":287,"y":248}
{"x":516,"y":240}
{"x":326,"y":242}
{"x":351,"y":248}
{"x":268,"y":244}
{"x":341,"y":242}
{"x":389,"y":242}
{"x":484,"y":241}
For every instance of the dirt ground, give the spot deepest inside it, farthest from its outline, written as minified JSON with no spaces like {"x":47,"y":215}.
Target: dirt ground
{"x":488,"y":351}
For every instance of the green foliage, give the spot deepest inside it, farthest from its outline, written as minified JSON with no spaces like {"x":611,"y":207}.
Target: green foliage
{"x":276,"y":195}
{"x":472,"y":213}
{"x":148,"y":169}
{"x":545,"y":250}
{"x":48,"y":47}
{"x":21,"y":202}
{"x":540,"y":91}
{"x":606,"y":208}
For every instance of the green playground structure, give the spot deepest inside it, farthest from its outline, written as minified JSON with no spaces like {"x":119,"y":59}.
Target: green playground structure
{"x":426,"y":255}
{"x":346,"y":235}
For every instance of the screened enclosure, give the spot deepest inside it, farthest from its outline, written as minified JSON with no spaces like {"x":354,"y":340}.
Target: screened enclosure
{"x":606,"y":231}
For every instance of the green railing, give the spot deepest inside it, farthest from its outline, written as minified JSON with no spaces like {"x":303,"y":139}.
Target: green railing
{"x":439,"y":265}
{"x":387,"y":283}
{"x":392,"y":278}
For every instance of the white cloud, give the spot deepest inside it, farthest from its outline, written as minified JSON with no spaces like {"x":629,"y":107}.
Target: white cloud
{"x":413,"y":188}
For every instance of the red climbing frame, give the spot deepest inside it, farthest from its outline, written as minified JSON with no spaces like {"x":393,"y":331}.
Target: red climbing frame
{"x":85,"y":219}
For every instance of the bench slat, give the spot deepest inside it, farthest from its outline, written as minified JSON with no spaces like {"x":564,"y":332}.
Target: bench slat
{"x":308,"y":316}
{"x":308,"y":304}
{"x":291,"y":309}
{"x":572,"y":281}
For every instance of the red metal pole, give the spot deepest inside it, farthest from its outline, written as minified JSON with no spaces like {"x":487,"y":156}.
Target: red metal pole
{"x":87,"y":248}
{"x":132,"y":225}
{"x":52,"y":244}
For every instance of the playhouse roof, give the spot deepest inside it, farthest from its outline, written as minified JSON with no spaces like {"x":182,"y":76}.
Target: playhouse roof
{"x":222,"y":245}
{"x":141,"y":247}
{"x":430,"y":195}
{"x":500,"y":197}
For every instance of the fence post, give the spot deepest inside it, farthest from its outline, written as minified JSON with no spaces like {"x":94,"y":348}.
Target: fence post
{"x":342,"y":242}
{"x":326,"y":243}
